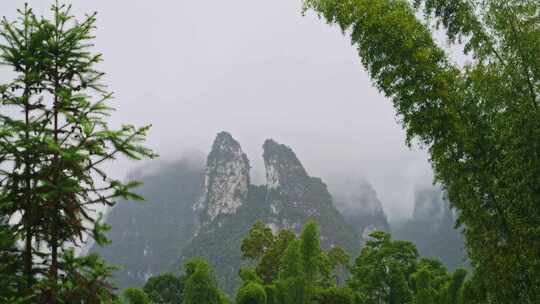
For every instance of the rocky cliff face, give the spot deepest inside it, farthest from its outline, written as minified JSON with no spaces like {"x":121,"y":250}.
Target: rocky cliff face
{"x":231,"y":206}
{"x":283,"y":169}
{"x":295,"y":197}
{"x":195,"y":211}
{"x":226,"y":178}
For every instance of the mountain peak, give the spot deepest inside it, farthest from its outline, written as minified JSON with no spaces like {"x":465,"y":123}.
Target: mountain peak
{"x":224,"y":143}
{"x":226,"y":178}
{"x":227,"y":206}
{"x":282,"y":166}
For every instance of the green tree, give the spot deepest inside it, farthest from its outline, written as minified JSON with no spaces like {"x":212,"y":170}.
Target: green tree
{"x":382,"y":270}
{"x":291,"y":290}
{"x":79,"y":138}
{"x":248,"y":275}
{"x":223,"y":298}
{"x":310,"y":241}
{"x":399,"y":289}
{"x":166,"y":288}
{"x":438,"y":278}
{"x":11,"y":263}
{"x":326,"y":276}
{"x":311,"y":249}
{"x":454,"y":289}
{"x":257,"y":242}
{"x":201,"y":285}
{"x":251,"y":293}
{"x":335,"y":295}
{"x":387,"y":271}
{"x":339,"y":260}
{"x":53,"y":156}
{"x":474,"y":292}
{"x":425,"y":294}
{"x":21,"y":130}
{"x":291,"y":263}
{"x":291,"y":285}
{"x":84,"y":279}
{"x":135,"y":296}
{"x":480,"y":122}
{"x":268,"y":267}
{"x":271,"y":294}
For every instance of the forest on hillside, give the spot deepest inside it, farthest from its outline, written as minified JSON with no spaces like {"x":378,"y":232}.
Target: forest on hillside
{"x":479,"y":123}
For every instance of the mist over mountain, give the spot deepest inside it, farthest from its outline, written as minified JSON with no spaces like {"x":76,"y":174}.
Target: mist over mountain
{"x":296,"y":79}
{"x":231,"y":205}
{"x":431,"y":228}
{"x":357,"y":200}
{"x":148,"y":236}
{"x":198,"y":208}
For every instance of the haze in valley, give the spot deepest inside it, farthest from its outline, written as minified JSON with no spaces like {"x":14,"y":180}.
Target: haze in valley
{"x":257,"y":69}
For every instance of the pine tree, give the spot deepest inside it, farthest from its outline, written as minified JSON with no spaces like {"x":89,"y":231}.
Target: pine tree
{"x":11,"y":263}
{"x":22,"y":144}
{"x":55,"y":144}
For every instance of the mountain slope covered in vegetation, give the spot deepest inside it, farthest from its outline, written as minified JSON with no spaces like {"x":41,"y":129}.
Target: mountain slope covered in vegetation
{"x":148,"y":236}
{"x":193,"y":209}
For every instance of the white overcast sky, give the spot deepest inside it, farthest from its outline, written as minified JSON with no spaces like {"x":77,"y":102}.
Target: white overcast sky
{"x":257,"y":69}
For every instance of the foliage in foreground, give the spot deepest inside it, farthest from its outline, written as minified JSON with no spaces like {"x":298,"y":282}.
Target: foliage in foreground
{"x":480,"y":121}
{"x":386,"y":271}
{"x":54,"y":140}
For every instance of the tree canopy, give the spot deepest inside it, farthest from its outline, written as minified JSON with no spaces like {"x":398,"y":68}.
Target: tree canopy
{"x":386,"y":271}
{"x":480,"y":121}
